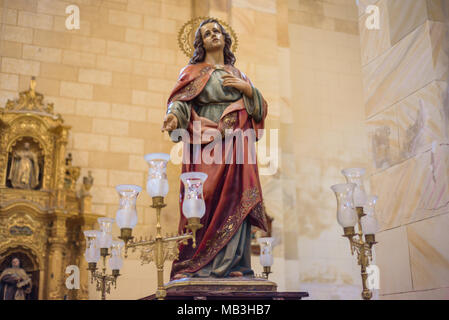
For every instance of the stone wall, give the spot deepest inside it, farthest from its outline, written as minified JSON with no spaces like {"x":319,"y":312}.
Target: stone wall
{"x":405,"y":76}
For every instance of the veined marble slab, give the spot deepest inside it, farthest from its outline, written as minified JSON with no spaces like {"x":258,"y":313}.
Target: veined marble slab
{"x":413,"y":190}
{"x":405,"y":68}
{"x":429,"y":253}
{"x":374,"y":42}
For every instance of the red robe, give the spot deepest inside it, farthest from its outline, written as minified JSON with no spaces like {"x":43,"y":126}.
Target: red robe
{"x":232,"y":192}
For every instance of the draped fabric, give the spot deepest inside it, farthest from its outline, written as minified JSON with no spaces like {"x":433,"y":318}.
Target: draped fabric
{"x":232,"y":191}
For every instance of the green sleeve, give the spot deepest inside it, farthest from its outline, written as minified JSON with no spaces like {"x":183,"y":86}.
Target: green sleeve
{"x":181,"y":110}
{"x":254,"y":105}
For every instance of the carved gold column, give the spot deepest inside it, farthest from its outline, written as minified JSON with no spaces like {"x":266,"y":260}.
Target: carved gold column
{"x":56,"y":265}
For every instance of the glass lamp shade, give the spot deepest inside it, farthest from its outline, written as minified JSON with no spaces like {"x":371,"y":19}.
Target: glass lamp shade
{"x":157,"y":184}
{"x":92,"y":253}
{"x":346,"y":214}
{"x":126,"y":214}
{"x":355,"y":175}
{"x":193,"y":205}
{"x":266,"y":251}
{"x":104,"y":237}
{"x":369,"y":222}
{"x":116,"y":261}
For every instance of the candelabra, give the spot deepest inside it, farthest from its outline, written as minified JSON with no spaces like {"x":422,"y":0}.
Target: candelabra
{"x":266,"y":254}
{"x":354,"y":207}
{"x":98,"y":245}
{"x":161,"y":249}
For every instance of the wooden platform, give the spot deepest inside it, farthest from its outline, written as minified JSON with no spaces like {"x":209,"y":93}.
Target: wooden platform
{"x":241,"y":288}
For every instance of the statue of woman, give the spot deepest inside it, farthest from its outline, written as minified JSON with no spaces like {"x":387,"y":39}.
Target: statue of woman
{"x":212,"y":92}
{"x":24,"y":173}
{"x":14,"y":282}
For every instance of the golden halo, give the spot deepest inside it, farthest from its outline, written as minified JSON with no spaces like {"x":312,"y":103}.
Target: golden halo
{"x":186,"y":35}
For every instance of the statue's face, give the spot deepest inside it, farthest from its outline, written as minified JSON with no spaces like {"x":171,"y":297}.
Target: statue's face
{"x":213,"y":39}
{"x":15,"y":263}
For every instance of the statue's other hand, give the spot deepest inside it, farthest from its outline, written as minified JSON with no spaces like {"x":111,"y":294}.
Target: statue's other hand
{"x":170,"y":122}
{"x":230,"y":80}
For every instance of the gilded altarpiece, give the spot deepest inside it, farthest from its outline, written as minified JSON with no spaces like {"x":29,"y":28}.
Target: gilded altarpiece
{"x":42,"y":214}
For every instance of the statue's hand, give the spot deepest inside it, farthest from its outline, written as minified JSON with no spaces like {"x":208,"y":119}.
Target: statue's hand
{"x":170,"y":122}
{"x":230,"y":80}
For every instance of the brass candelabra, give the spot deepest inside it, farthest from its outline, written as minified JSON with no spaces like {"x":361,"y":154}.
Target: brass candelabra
{"x":159,"y":249}
{"x":103,"y":280}
{"x":363,"y":250}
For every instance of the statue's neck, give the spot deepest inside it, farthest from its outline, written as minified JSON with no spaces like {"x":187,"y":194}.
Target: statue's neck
{"x":214,"y":57}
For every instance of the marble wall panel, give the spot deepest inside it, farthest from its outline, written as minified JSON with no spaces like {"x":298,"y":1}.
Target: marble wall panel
{"x":429,"y":254}
{"x":383,"y":137}
{"x":363,"y":4}
{"x":439,"y":37}
{"x":413,"y":190}
{"x":421,"y":119}
{"x":404,"y":17}
{"x":438,"y":10}
{"x":374,"y":42}
{"x":436,"y":294}
{"x":393,"y":260}
{"x":396,"y":73}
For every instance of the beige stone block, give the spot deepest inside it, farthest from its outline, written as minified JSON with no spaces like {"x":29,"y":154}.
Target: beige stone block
{"x":395,"y":74}
{"x":86,"y":44}
{"x":62,"y":105}
{"x":123,"y":50}
{"x":150,"y":8}
{"x":59,"y":71}
{"x":108,"y":160}
{"x":175,"y":11}
{"x":95,"y":76}
{"x":104,"y":195}
{"x":435,"y":294}
{"x":35,"y":20}
{"x":162,"y":25}
{"x":111,"y":94}
{"x":128,"y":112}
{"x":268,"y":6}
{"x":93,"y":108}
{"x":100,"y":175}
{"x":374,"y":42}
{"x":110,"y":127}
{"x":59,"y":26}
{"x":168,"y":40}
{"x":142,"y":37}
{"x":17,"y":34}
{"x":52,"y":39}
{"x":160,"y":85}
{"x":125,"y":19}
{"x":9,"y":82}
{"x":42,"y":54}
{"x":149,"y":69}
{"x":413,"y":190}
{"x":114,"y":64}
{"x":10,"y":49}
{"x":393,"y":260}
{"x":79,"y":123}
{"x":76,"y":90}
{"x":125,"y":177}
{"x":429,"y":256}
{"x":130,"y":81}
{"x":421,"y":119}
{"x":90,"y":142}
{"x":127,"y":145}
{"x":404,"y":17}
{"x":52,"y":7}
{"x":29,"y":5}
{"x":25,"y":67}
{"x":81,"y":159}
{"x":9,"y":16}
{"x":107,"y":31}
{"x":45,"y":86}
{"x":148,"y":98}
{"x":383,"y":135}
{"x":137,"y":163}
{"x":363,"y":4}
{"x":159,"y":55}
{"x":156,"y":115}
{"x":78,"y":59}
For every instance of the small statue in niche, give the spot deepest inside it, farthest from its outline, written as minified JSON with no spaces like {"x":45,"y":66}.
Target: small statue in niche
{"x":24,"y":172}
{"x":87,"y":184}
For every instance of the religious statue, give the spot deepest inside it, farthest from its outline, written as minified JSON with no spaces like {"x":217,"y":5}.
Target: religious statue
{"x":14,"y":282}
{"x":211,"y":92}
{"x":24,"y":172}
